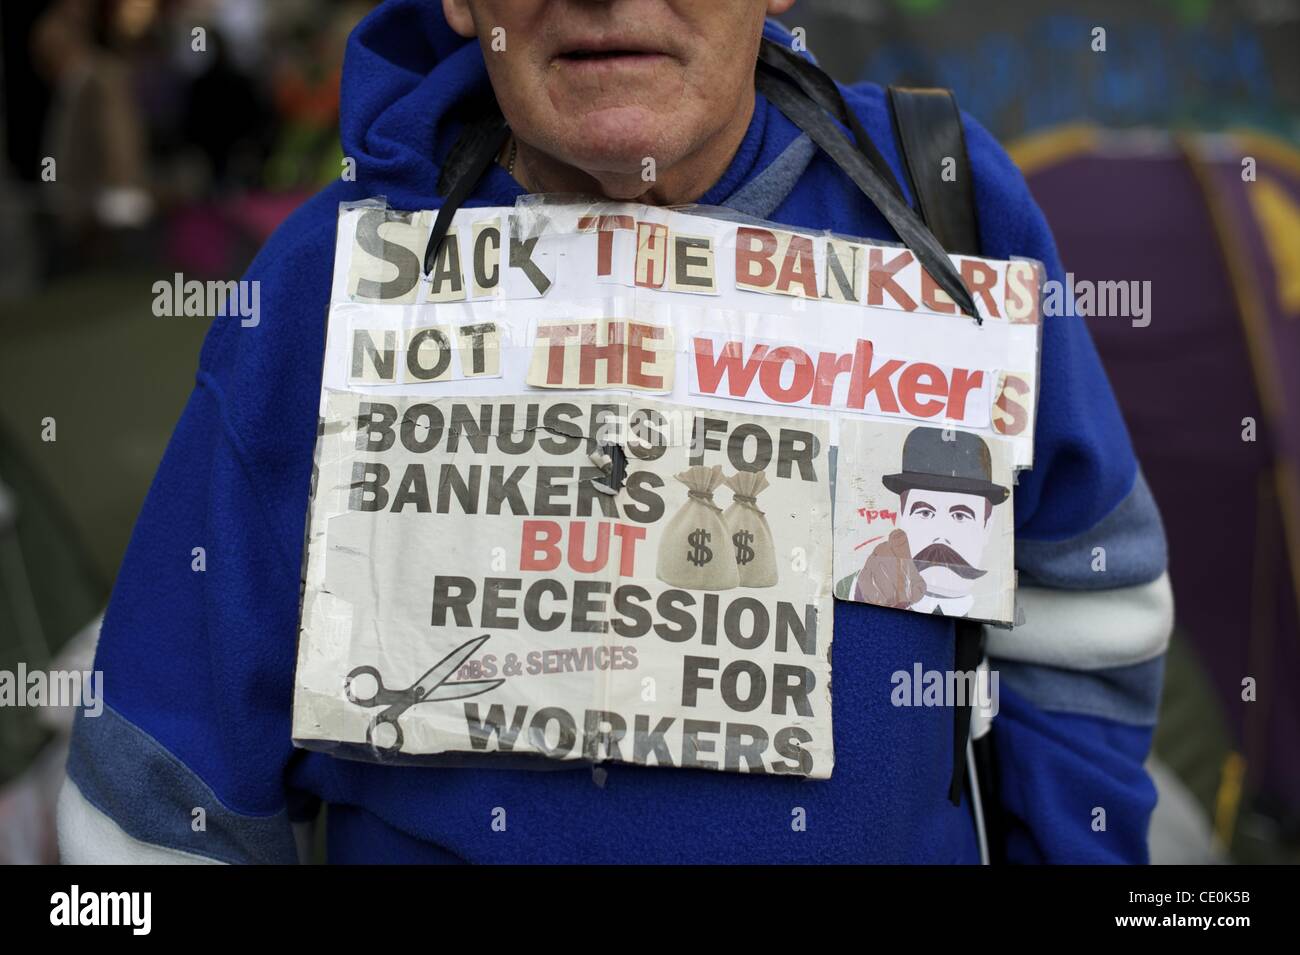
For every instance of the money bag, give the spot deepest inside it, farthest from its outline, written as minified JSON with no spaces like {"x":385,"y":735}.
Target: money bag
{"x":694,"y":551}
{"x":748,"y":530}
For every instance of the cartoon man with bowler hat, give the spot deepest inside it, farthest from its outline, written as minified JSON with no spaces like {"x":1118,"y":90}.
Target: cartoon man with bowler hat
{"x":931,"y":561}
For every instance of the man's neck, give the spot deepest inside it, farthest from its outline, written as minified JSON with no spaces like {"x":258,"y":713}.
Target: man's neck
{"x":685,"y":181}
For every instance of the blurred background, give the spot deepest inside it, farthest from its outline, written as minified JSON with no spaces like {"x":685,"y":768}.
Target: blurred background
{"x":1135,"y":154}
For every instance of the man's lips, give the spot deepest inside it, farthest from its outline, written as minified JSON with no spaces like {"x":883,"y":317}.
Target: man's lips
{"x":612,"y":59}
{"x":608,"y":54}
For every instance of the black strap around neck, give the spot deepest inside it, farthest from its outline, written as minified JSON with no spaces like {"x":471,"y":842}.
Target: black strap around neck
{"x":808,"y":98}
{"x":821,"y":89}
{"x":477,"y":148}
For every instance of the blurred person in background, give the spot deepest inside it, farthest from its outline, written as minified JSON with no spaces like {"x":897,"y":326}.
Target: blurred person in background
{"x":93,"y":126}
{"x":234,"y":147}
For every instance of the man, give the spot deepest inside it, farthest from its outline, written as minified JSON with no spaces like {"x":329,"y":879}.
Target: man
{"x":199,"y":665}
{"x":946,"y":498}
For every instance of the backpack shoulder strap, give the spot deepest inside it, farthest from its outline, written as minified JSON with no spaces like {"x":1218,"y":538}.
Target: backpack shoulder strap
{"x":928,"y":126}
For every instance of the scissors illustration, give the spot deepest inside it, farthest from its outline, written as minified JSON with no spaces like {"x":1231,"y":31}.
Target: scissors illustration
{"x":434,"y":685}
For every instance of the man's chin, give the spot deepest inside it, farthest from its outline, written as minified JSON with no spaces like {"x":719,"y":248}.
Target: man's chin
{"x":618,"y":139}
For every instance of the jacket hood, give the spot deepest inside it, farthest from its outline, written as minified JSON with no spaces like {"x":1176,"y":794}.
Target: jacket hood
{"x":405,"y":73}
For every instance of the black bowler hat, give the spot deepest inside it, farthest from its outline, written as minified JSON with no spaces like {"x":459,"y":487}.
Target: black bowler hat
{"x":961,"y":462}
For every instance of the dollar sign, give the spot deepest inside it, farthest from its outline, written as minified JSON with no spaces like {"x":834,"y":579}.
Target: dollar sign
{"x":742,"y":540}
{"x":700,"y":553}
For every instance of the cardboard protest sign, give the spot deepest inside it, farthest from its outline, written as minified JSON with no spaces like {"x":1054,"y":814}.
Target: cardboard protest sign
{"x":577,"y":493}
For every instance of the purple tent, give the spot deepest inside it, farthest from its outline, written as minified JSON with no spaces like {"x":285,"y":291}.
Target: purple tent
{"x":1213,"y":222}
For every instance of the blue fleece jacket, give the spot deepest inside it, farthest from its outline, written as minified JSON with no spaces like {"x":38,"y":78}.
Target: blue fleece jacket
{"x":199,"y":665}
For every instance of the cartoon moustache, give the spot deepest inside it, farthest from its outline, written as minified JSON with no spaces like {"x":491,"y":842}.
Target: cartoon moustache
{"x":941,"y":555}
